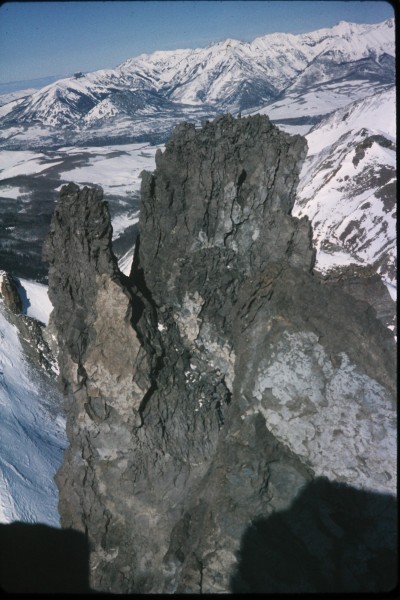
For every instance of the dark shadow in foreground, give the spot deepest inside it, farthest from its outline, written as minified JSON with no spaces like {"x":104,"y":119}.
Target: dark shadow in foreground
{"x":333,"y":538}
{"x":42,"y":559}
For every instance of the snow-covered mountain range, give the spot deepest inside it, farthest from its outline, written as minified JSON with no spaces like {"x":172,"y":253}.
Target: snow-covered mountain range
{"x":343,"y":63}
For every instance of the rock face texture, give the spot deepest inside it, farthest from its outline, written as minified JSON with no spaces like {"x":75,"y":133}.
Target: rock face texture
{"x":365,"y":284}
{"x":9,"y":292}
{"x":211,"y":388}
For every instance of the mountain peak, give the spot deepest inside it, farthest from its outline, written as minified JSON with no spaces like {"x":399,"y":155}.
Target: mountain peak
{"x":227,"y":43}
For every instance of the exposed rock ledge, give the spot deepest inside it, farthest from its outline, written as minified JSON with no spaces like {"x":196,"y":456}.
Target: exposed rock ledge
{"x":219,"y":382}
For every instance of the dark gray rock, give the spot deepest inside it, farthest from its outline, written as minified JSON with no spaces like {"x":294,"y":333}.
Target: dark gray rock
{"x":365,"y":284}
{"x":209,"y":388}
{"x":9,"y":292}
{"x":85,"y":241}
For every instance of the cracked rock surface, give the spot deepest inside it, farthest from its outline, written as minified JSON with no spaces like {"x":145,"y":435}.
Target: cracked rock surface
{"x":218,"y":381}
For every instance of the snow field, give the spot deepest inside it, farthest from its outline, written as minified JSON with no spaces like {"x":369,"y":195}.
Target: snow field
{"x":17,"y":162}
{"x":115,"y":174}
{"x":317,"y":102}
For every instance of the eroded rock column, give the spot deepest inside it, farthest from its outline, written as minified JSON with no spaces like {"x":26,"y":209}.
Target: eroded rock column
{"x":211,"y":388}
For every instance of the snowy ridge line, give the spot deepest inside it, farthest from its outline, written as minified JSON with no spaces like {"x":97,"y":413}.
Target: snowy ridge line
{"x":347,"y":186}
{"x":376,"y":112}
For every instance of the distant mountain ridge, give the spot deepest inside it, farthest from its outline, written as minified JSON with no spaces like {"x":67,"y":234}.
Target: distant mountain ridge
{"x":228,"y":76}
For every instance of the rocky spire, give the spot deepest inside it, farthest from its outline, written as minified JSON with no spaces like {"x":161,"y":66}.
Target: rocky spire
{"x":221,"y":379}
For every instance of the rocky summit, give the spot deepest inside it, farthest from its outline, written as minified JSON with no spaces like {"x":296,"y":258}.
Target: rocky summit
{"x":231,"y":416}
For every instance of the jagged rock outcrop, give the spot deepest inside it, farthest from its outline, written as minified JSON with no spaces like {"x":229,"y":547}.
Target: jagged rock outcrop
{"x":215,"y":384}
{"x":9,"y":292}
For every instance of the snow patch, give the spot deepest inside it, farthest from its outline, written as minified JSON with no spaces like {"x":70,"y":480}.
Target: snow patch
{"x":35,"y":299}
{"x":125,"y":262}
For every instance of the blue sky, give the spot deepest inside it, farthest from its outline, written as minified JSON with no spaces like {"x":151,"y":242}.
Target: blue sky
{"x":38,"y":39}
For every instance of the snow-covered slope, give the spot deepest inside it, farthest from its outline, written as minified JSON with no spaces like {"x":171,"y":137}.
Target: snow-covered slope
{"x":36,"y":301}
{"x":377,"y":112}
{"x":32,"y":433}
{"x":226,"y":76}
{"x":348,"y":186}
{"x":12,"y":96}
